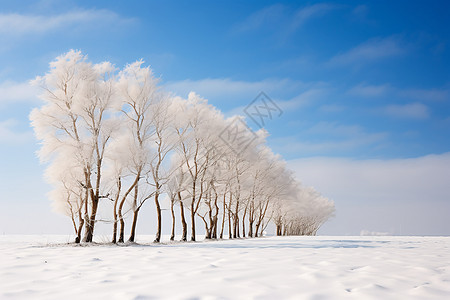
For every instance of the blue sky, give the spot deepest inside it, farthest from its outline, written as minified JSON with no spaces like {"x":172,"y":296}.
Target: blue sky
{"x":364,"y":87}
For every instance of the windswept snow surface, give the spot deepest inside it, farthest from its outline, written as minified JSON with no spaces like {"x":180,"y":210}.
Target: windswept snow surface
{"x":43,"y":267}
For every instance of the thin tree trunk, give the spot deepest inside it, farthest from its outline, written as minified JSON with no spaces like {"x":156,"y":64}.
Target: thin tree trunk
{"x":114,"y":236}
{"x":224,"y":214}
{"x":229,"y":216}
{"x":262,"y":230}
{"x":236,"y":221}
{"x":80,"y":227}
{"x":172,"y":236}
{"x":211,"y":224}
{"x":229,"y":224}
{"x":95,"y":199}
{"x":135,"y":214}
{"x":192,"y":221}
{"x":122,"y":226}
{"x":122,"y":202}
{"x":250,"y":228}
{"x":207,"y":230}
{"x":89,"y":235}
{"x":86,"y":202}
{"x":183,"y":220}
{"x":119,"y":187}
{"x":216,"y":218}
{"x":243,"y":223}
{"x":133,"y":226}
{"x":158,"y":211}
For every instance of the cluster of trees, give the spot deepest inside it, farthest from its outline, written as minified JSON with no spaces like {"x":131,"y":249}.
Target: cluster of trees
{"x":114,"y":138}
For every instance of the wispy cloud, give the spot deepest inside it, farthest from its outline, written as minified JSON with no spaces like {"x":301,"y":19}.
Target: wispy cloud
{"x":360,"y":11}
{"x":332,"y":108}
{"x":364,"y":90}
{"x":14,"y":92}
{"x":232,"y":90}
{"x":372,"y":50}
{"x":427,"y":94}
{"x":416,"y":111}
{"x":14,"y":24}
{"x":282,"y":17}
{"x":261,"y":17}
{"x":306,"y":13}
{"x":307,"y":96}
{"x":10,"y":135}
{"x":304,"y":98}
{"x":439,"y":94}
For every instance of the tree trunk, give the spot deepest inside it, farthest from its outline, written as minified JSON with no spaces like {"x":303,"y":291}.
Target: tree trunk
{"x":236,"y":221}
{"x":133,"y":226}
{"x":211,"y":224}
{"x":223,"y":219}
{"x":89,"y":234}
{"x":114,"y":237}
{"x":250,"y":228}
{"x":158,"y":211}
{"x":135,"y":214}
{"x":119,"y":187}
{"x":122,"y":202}
{"x":207,"y":230}
{"x":172,"y":236}
{"x":229,"y":224}
{"x":192,"y":221}
{"x":243,"y":221}
{"x":122,"y":226}
{"x":183,"y":220}
{"x":80,"y":228}
{"x":216,"y":218}
{"x":262,"y":230}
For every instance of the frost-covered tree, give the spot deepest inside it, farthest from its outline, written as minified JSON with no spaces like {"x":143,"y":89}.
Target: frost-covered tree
{"x":114,"y":134}
{"x":77,"y":97}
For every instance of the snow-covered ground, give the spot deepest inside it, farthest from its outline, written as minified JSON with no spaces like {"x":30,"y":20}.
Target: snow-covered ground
{"x":39,"y":267}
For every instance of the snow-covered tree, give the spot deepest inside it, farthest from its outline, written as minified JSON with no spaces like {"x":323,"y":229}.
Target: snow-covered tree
{"x":77,"y":97}
{"x":111,"y":134}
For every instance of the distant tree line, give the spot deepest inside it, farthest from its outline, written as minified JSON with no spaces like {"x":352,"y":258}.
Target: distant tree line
{"x":115,"y":140}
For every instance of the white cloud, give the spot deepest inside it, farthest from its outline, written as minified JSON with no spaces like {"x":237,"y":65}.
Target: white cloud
{"x":14,"y":24}
{"x":308,"y":12}
{"x":336,"y":129}
{"x":360,"y":11}
{"x":364,"y":90}
{"x":417,"y":111}
{"x":401,"y":196}
{"x":372,"y":50}
{"x":307,"y":96}
{"x":302,"y":99}
{"x":441,"y":94}
{"x":225,"y":88}
{"x":257,"y":19}
{"x":9,"y":134}
{"x":14,"y":92}
{"x":331,"y":108}
{"x":280,"y":15}
{"x":426,"y":94}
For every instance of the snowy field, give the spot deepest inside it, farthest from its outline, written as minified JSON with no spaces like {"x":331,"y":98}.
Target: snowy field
{"x":43,"y":267}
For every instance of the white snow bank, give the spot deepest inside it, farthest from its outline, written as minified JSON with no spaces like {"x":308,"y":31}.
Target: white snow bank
{"x":264,"y":268}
